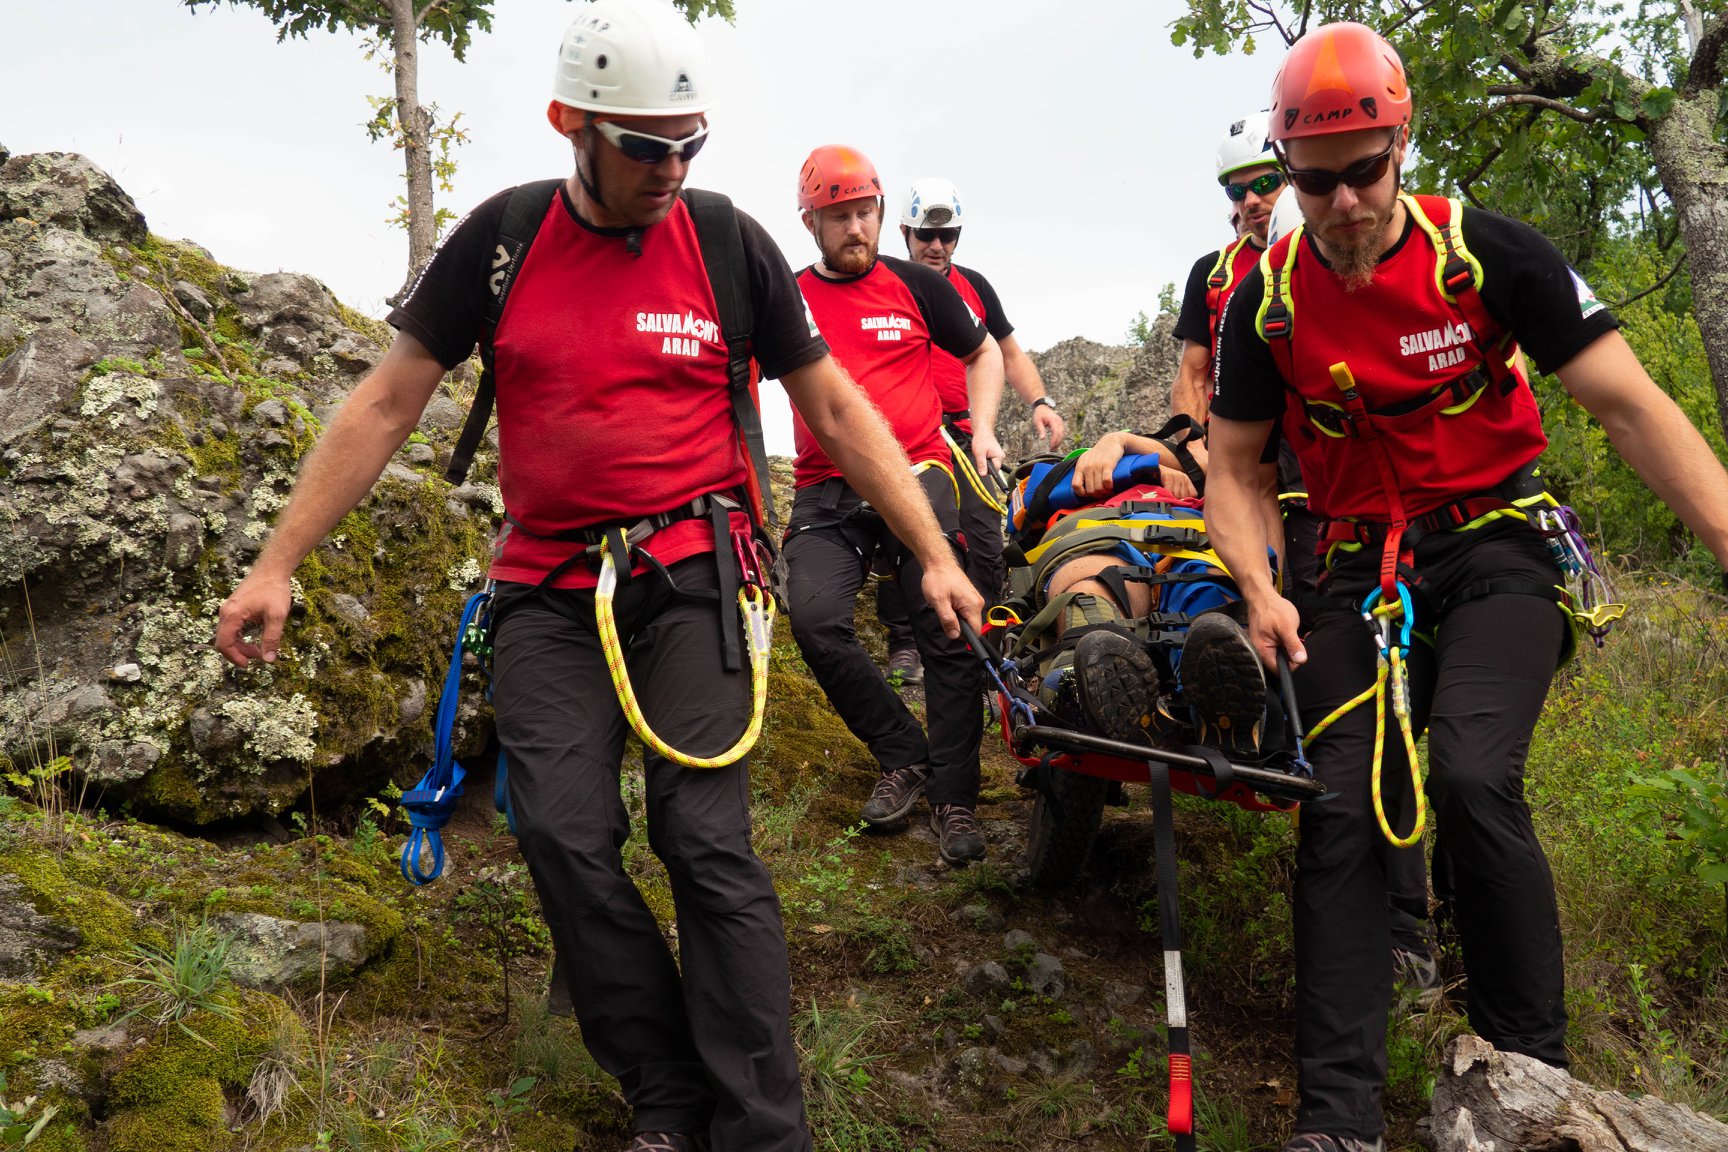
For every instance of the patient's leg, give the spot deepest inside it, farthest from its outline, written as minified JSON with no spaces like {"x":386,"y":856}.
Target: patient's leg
{"x":1080,"y":575}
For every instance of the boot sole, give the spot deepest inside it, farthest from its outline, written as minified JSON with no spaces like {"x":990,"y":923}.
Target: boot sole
{"x":1118,"y":686}
{"x":1224,"y":685}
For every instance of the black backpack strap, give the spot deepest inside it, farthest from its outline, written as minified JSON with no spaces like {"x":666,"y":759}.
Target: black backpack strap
{"x":722,"y":247}
{"x":523,"y":213}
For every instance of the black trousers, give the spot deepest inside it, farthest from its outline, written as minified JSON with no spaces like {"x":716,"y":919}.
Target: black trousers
{"x":1406,"y":872}
{"x":981,"y":531}
{"x":1479,"y":690}
{"x":829,"y":548}
{"x":708,"y":1049}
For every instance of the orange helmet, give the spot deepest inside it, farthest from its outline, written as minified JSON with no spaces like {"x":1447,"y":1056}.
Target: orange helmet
{"x":1339,"y":78}
{"x":834,"y":173}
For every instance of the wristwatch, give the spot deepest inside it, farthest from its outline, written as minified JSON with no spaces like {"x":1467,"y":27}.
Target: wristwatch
{"x":1045,"y":402}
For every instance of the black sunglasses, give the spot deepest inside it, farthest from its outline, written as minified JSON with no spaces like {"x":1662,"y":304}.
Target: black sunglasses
{"x":1322,"y":181}
{"x":646,"y":149}
{"x":946,"y":235}
{"x":1260,"y":186}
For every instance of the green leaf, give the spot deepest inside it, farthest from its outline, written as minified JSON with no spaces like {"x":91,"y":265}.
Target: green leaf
{"x":1658,"y":102}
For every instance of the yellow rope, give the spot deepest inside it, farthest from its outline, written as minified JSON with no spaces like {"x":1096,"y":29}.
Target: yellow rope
{"x":757,"y":609}
{"x":971,"y":471}
{"x":1389,"y":673}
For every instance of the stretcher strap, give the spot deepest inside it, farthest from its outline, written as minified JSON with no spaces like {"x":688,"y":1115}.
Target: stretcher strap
{"x":1180,"y":1119}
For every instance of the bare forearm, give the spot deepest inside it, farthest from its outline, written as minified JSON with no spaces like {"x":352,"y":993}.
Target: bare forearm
{"x":984,"y":384}
{"x":1236,"y":511}
{"x":1191,"y":391}
{"x":859,"y":441}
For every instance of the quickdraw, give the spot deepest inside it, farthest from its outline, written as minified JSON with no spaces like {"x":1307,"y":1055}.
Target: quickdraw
{"x":1593,"y":607}
{"x":755,"y":606}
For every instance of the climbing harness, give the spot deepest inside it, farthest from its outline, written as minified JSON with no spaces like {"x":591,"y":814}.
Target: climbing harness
{"x":432,"y":801}
{"x":755,"y":607}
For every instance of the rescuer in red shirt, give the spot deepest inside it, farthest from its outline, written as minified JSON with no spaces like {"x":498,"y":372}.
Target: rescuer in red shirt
{"x":1418,"y":437}
{"x":619,"y":458}
{"x":884,"y":319}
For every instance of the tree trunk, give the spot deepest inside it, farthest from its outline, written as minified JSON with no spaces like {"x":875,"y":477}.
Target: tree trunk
{"x":1486,"y":1099}
{"x":1694,"y":172}
{"x":416,"y":137}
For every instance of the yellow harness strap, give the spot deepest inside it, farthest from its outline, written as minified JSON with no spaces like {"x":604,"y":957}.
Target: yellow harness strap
{"x":756,"y":607}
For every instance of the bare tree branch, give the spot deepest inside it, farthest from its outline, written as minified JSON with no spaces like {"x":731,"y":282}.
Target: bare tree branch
{"x":1551,"y":105}
{"x":1669,"y":275}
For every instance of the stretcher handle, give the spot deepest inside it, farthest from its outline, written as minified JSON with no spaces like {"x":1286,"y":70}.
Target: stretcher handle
{"x":1279,"y":784}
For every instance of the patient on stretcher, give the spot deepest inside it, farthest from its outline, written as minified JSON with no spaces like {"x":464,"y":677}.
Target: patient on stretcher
{"x":1123,"y":607}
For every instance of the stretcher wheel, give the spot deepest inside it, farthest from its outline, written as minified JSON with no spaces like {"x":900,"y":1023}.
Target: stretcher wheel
{"x":1064,"y":824}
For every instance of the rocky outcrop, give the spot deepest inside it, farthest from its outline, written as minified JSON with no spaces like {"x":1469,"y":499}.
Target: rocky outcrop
{"x":1100,"y":388}
{"x":154,"y":408}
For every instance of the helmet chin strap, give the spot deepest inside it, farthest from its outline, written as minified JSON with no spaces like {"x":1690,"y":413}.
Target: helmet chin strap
{"x":589,"y":186}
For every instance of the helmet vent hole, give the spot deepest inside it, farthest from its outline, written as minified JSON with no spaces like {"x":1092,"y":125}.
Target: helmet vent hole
{"x":600,"y":61}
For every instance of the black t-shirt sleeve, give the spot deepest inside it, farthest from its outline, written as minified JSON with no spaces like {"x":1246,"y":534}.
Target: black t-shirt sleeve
{"x":1246,"y":383}
{"x":1528,"y":286}
{"x":785,"y":336}
{"x":952,"y":326}
{"x":1191,"y":322}
{"x":995,"y":320}
{"x":446,"y":308}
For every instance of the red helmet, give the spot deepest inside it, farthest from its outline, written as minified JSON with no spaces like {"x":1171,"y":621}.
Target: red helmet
{"x":1339,"y":78}
{"x":834,"y":173}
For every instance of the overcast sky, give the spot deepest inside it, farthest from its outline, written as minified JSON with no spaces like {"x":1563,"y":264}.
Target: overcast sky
{"x":1081,"y":140}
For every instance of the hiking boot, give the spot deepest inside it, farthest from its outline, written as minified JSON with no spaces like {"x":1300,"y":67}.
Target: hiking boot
{"x":957,"y":835}
{"x":906,"y":665}
{"x":1118,"y":687}
{"x":666,"y":1142}
{"x":895,"y":794}
{"x":1417,"y":974}
{"x":1320,"y":1142}
{"x":1224,"y":685}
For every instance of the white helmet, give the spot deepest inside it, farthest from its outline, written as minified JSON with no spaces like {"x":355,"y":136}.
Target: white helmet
{"x":1247,"y":145}
{"x":932,"y":203}
{"x":1286,"y":218}
{"x":633,"y":58}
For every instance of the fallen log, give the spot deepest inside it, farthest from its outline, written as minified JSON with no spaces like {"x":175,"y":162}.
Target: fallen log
{"x":1491,"y":1101}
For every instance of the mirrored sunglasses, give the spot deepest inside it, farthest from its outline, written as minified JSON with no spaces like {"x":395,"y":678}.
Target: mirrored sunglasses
{"x":646,"y":149}
{"x":1260,"y":186}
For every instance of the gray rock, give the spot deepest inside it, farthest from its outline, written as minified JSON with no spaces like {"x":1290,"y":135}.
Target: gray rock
{"x":981,"y":917}
{"x":107,"y":1038}
{"x":984,"y":979}
{"x":991,"y":1027}
{"x":1016,"y":939}
{"x":1046,"y":976}
{"x":192,"y":299}
{"x":116,"y":762}
{"x":443,"y":413}
{"x":420,"y":454}
{"x":273,"y":953}
{"x":412,"y":705}
{"x":68,"y":191}
{"x":1119,"y":995}
{"x":126,"y":673}
{"x":1012,"y":1065}
{"x":184,"y":541}
{"x":972,"y":1069}
{"x":30,"y":943}
{"x":272,"y":412}
{"x":1082,"y":1059}
{"x":350,"y":609}
{"x":40,"y":379}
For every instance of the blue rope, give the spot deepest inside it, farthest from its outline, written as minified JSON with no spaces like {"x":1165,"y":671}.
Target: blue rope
{"x":432,"y":802}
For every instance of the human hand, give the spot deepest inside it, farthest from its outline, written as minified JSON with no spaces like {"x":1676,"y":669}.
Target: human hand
{"x":1048,"y":424}
{"x":987,"y":452}
{"x":1176,"y":482}
{"x":1272,"y":625}
{"x":948,"y":590}
{"x":1095,"y":470}
{"x":261,"y":599}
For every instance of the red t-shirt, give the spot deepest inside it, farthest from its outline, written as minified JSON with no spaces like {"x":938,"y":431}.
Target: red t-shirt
{"x":883,"y":326}
{"x":611,"y":374}
{"x":949,"y":373}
